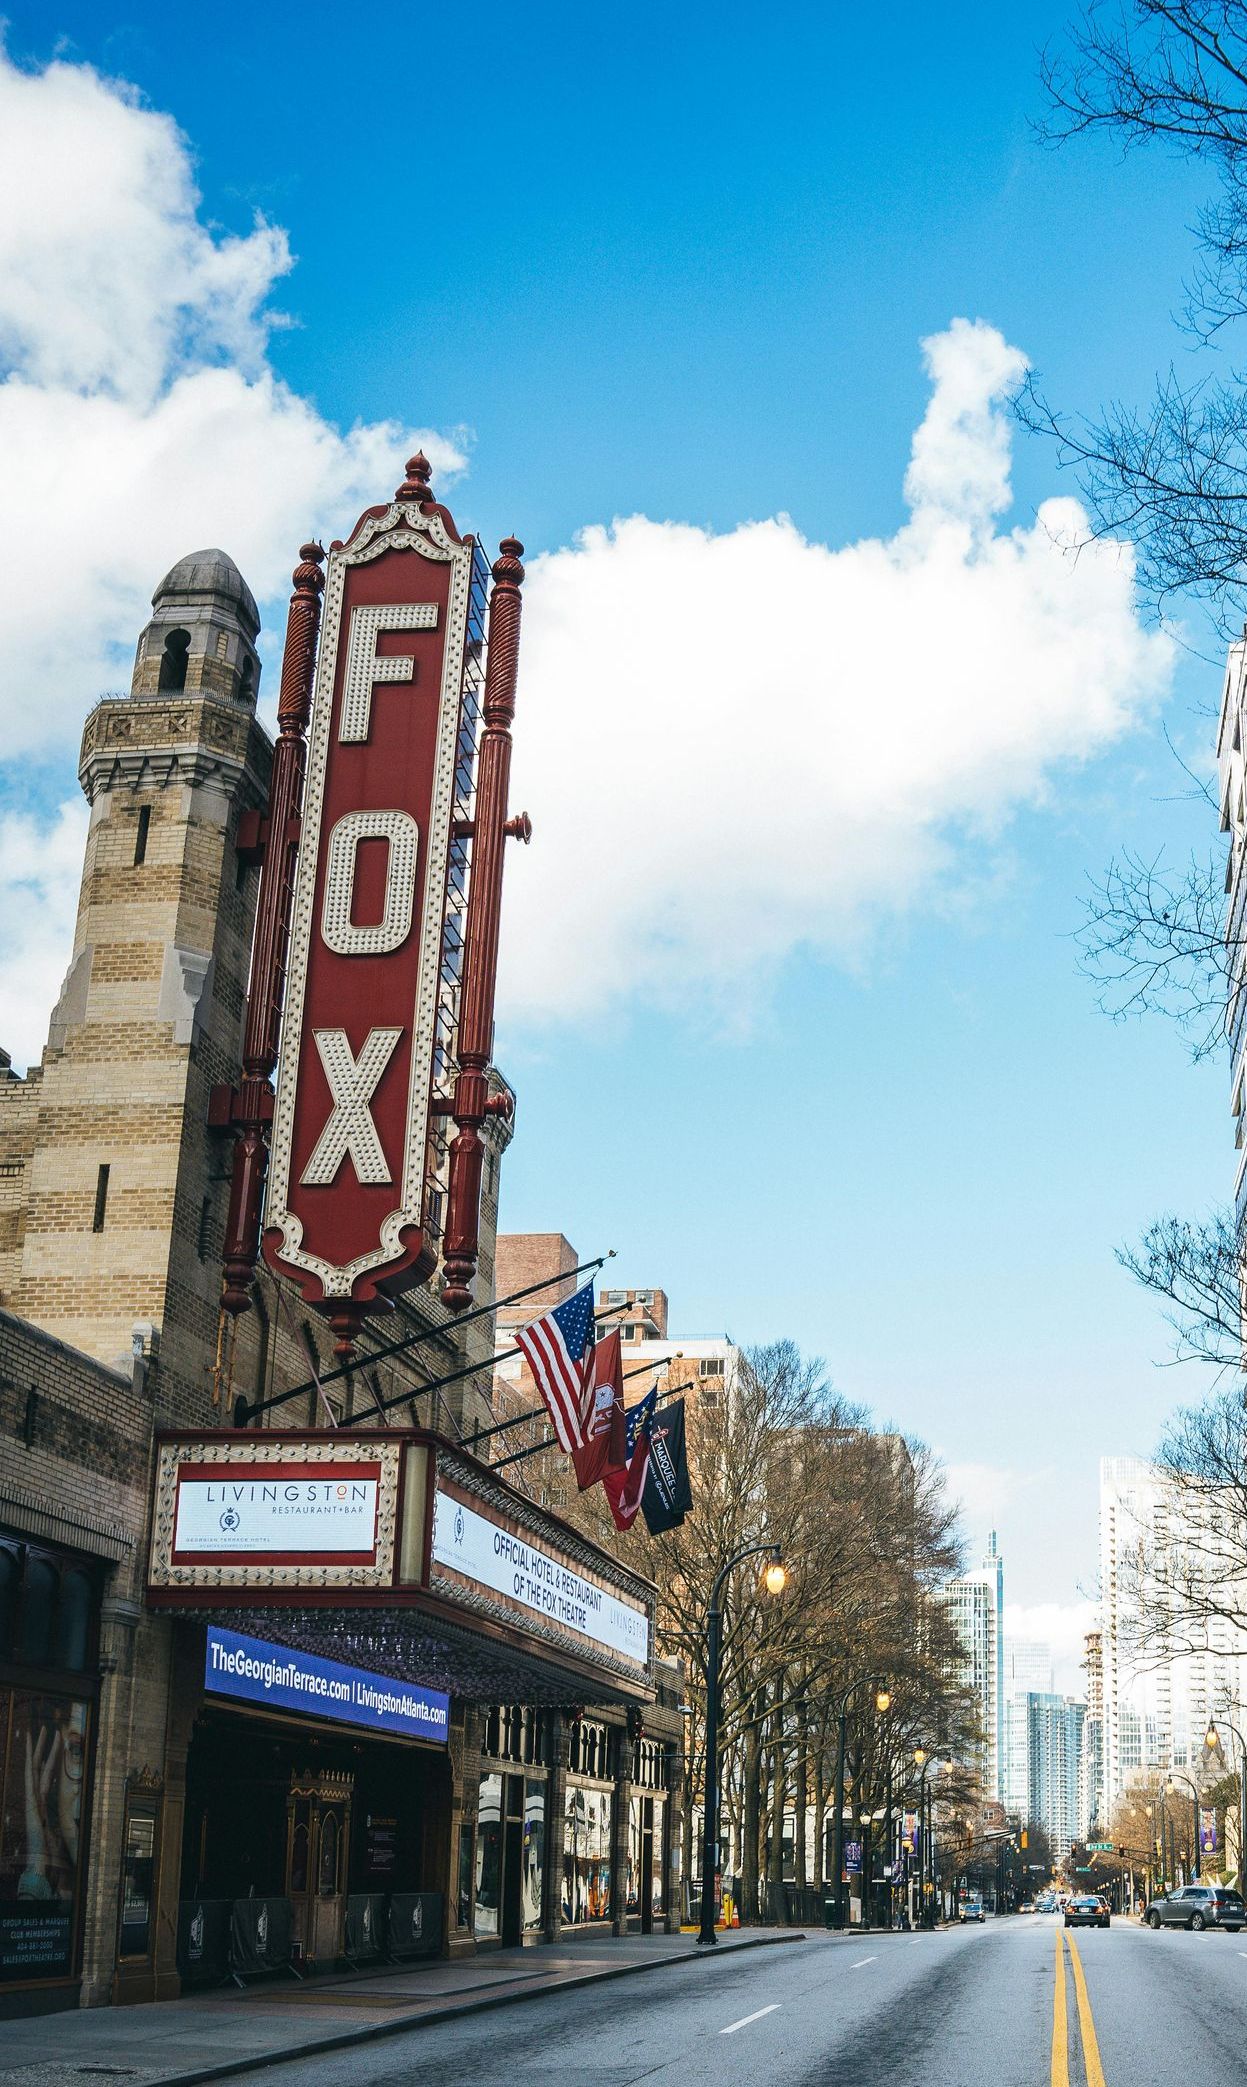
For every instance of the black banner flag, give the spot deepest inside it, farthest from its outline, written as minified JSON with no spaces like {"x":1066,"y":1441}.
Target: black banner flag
{"x":668,"y":1494}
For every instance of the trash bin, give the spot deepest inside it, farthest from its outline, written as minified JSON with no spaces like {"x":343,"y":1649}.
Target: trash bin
{"x":829,"y":1914}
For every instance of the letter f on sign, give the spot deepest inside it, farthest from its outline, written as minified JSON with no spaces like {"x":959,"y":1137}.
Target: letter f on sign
{"x":350,"y":1129}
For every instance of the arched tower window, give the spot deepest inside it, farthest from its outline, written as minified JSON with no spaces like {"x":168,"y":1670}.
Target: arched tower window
{"x":173,"y":661}
{"x":246,"y":680}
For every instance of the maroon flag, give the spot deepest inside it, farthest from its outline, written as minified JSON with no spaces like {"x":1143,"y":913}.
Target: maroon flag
{"x":603,"y":1422}
{"x":623,"y":1489}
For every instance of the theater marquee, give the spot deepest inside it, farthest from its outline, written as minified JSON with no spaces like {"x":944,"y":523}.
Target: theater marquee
{"x":259,"y":1512}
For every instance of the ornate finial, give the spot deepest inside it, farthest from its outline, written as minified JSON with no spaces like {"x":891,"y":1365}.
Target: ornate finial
{"x":307,"y":572}
{"x":416,"y":484}
{"x":507,"y":567}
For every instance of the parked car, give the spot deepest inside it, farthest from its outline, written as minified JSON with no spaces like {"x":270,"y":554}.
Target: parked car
{"x":971,"y":1908}
{"x":1198,"y":1906}
{"x":1087,"y":1911}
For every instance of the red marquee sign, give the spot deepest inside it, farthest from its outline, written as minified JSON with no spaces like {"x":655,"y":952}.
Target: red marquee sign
{"x":372,"y":971}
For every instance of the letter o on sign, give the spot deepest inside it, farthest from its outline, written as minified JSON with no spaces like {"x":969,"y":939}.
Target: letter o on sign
{"x":400,"y":832}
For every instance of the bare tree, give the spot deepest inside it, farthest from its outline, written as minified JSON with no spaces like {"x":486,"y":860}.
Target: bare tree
{"x":1152,"y":941}
{"x":1170,"y":475}
{"x":1194,"y":1269}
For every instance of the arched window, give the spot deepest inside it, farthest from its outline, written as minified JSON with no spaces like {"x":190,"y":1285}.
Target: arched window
{"x":34,"y":1630}
{"x":73,"y":1621}
{"x":246,"y":679}
{"x":173,"y":661}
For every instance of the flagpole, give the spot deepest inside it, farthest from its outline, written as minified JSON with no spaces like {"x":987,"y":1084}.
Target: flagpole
{"x":471,"y":1369}
{"x":673,"y":1391}
{"x":535,"y":1412}
{"x":411,"y":1340}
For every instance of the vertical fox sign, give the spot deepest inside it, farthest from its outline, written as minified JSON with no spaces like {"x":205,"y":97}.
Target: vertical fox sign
{"x":385,"y":944}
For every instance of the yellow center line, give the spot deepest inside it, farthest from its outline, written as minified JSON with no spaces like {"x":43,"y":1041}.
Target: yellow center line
{"x":1060,"y":2023}
{"x":1090,"y":2047}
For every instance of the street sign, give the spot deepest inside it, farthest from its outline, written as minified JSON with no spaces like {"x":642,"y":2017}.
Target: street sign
{"x":1100,"y":1847}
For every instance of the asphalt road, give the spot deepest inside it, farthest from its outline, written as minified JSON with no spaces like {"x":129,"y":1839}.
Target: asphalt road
{"x":976,"y":2007}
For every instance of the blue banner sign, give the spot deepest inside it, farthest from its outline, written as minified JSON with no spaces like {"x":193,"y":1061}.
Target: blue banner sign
{"x":283,"y":1679}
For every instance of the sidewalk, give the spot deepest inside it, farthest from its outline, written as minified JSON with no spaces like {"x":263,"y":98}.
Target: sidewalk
{"x":209,"y":2036}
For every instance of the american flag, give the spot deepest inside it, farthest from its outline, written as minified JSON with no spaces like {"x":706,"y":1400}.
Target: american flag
{"x":623,"y":1489}
{"x":558,"y":1348}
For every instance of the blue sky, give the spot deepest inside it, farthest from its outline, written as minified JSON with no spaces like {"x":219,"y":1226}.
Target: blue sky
{"x":680,"y":265}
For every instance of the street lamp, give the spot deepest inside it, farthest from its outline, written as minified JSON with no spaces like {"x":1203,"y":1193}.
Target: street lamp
{"x":1212,"y":1740}
{"x":774,"y":1579}
{"x":922,"y":1762}
{"x":1194,"y":1790}
{"x":883,"y":1702}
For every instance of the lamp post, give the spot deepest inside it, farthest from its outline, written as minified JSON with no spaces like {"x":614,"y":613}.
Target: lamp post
{"x":1194,"y":1790}
{"x":1212,"y":1740}
{"x":922,"y":1762}
{"x":774,"y":1579}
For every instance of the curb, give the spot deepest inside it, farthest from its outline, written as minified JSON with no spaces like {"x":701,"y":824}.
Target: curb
{"x":349,"y":2039}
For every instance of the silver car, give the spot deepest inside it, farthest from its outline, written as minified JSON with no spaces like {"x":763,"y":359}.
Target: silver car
{"x":1198,"y":1906}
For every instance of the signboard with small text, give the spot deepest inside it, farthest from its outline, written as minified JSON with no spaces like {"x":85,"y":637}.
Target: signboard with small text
{"x":281,"y":1678}
{"x":484,"y":1551}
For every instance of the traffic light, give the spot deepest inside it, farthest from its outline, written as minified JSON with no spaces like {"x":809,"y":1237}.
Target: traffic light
{"x":1026,"y":1839}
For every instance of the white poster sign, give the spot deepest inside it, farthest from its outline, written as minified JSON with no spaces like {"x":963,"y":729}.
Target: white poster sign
{"x":469,"y":1543}
{"x":292,"y":1512}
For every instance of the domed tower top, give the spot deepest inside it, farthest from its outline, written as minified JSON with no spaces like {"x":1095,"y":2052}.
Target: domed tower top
{"x":201,"y":638}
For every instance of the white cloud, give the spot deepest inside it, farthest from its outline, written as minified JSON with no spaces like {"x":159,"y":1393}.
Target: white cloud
{"x":40,"y":870}
{"x":733,"y":744}
{"x":139,"y":420}
{"x":1061,"y":1625}
{"x":737,"y":744}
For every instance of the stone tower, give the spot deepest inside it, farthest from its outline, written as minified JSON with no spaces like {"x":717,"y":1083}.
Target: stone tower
{"x":122,"y":1193}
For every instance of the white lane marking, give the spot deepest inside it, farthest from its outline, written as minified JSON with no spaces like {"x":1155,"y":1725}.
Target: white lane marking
{"x":861,"y":1960}
{"x":745,"y":2020}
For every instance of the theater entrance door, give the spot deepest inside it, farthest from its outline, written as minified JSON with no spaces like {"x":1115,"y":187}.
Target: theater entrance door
{"x":318,"y":1835}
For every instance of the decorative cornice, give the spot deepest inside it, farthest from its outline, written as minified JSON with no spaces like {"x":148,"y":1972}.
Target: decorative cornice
{"x":192,"y":741}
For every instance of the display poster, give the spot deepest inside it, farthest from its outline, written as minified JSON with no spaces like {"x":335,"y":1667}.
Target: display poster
{"x":40,"y":1839}
{"x":470,"y":1543}
{"x":380,"y":1846}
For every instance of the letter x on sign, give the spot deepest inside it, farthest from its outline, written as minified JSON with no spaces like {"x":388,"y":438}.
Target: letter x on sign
{"x":350,"y":1129}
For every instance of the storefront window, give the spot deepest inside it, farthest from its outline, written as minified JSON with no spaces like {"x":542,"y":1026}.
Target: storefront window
{"x":587,"y":1854}
{"x":41,"y":1832}
{"x":657,"y":1904}
{"x":534,"y":1851}
{"x":488,"y":1855}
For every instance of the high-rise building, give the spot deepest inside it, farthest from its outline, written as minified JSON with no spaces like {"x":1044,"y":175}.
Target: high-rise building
{"x":1091,"y":1806}
{"x":975,"y":1605}
{"x":1055,"y":1732}
{"x":1161,"y":1680}
{"x":1028,"y":1669}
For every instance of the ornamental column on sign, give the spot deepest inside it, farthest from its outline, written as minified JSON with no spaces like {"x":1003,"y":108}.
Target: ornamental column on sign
{"x":472,"y":1103}
{"x":248,"y":1109}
